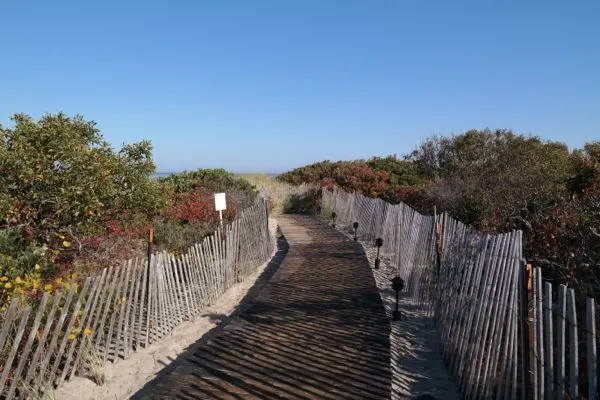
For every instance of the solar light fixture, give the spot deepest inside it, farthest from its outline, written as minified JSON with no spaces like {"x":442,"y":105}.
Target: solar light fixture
{"x":355,"y":225}
{"x":333,"y":217}
{"x":397,"y":285}
{"x":378,"y":243}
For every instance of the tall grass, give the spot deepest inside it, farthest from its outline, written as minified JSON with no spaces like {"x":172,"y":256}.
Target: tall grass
{"x":278,"y":194}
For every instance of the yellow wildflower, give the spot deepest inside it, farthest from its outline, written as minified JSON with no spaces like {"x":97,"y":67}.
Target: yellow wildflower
{"x":37,"y":267}
{"x":71,"y":337}
{"x":87,"y":331}
{"x":7,"y":285}
{"x":4,"y":279}
{"x":48,"y":287}
{"x":18,"y":280}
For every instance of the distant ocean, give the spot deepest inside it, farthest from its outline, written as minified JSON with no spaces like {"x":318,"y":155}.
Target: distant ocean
{"x":163,"y":174}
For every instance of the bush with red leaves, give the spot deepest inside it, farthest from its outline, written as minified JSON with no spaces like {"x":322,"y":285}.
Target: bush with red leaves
{"x":197,"y":206}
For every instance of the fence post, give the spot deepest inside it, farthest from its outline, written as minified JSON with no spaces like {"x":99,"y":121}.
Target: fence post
{"x":527,"y":331}
{"x":148,"y":262}
{"x":150,"y":248}
{"x":438,"y":241}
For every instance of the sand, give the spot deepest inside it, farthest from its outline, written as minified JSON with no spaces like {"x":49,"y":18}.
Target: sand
{"x":126,"y":377}
{"x":417,"y":367}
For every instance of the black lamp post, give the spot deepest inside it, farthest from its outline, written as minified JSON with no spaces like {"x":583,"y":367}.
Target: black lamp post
{"x":378,"y":243}
{"x":333,"y":216}
{"x":355,"y":225}
{"x":397,"y":285}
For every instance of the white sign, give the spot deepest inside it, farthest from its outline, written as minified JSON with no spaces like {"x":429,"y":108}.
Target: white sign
{"x":220,"y":202}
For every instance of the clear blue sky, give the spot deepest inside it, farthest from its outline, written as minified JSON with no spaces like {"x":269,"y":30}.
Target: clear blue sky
{"x":271,"y":85}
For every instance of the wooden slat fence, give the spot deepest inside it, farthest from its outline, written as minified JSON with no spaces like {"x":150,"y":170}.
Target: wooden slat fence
{"x":502,"y":336}
{"x":123,"y":309}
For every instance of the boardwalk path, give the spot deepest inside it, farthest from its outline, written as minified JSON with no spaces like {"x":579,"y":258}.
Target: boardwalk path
{"x":317,"y":330}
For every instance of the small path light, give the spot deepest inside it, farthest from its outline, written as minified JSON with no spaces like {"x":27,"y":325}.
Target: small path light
{"x":355,"y":225}
{"x":333,"y":217}
{"x":378,"y":243}
{"x":397,"y":285}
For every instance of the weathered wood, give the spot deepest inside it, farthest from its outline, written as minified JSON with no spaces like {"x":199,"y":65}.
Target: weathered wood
{"x":81,"y":328}
{"x":69,"y":328}
{"x":573,"y":345}
{"x":25,"y":351}
{"x":15,"y":347}
{"x":144,"y":304}
{"x":117,"y":305}
{"x":561,"y":309}
{"x":592,"y":369}
{"x":8,"y":320}
{"x":89,"y":322}
{"x":104,"y":306}
{"x":126,"y":325}
{"x":539,"y":336}
{"x":41,"y":345}
{"x":41,"y":379}
{"x":549,"y":341}
{"x":137,"y":309}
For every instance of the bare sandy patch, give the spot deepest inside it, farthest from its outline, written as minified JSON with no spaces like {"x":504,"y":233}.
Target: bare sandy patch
{"x":418,"y":370}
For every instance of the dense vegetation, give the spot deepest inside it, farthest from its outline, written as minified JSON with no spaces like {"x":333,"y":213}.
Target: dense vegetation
{"x":495,"y":181}
{"x":70,"y":204}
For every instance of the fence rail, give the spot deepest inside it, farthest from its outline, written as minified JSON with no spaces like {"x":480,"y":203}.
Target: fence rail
{"x":504,"y":333}
{"x":125,"y":308}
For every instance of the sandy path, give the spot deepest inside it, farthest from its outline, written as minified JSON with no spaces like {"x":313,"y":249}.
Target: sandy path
{"x":126,"y":377}
{"x":417,"y":367}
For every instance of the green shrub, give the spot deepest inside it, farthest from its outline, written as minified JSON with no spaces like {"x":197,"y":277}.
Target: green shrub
{"x":238,"y":190}
{"x":304,"y":203}
{"x":176,"y":236}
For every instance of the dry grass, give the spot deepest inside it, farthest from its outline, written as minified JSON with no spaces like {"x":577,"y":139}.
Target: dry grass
{"x":277,"y":193}
{"x":93,"y":363}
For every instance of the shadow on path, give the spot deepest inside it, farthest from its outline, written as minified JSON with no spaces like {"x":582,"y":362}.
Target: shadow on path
{"x":317,"y":330}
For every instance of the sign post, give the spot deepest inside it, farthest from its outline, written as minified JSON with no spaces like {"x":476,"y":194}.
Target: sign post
{"x":220,"y":205}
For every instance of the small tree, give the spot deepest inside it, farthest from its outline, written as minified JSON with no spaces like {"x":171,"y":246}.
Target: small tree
{"x":59,"y":179}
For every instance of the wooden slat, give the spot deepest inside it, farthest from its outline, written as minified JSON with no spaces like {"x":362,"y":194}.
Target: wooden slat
{"x":549,"y":341}
{"x":8,"y":320}
{"x":13,"y":351}
{"x":127,"y":325}
{"x":561,"y":317}
{"x":81,"y":328}
{"x":104,"y":306}
{"x":118,"y":307}
{"x":137,"y":310}
{"x":592,"y":360}
{"x":539,"y":337}
{"x":144,"y":306}
{"x":119,"y":336}
{"x":111,"y":293}
{"x":573,"y":345}
{"x":90,"y":320}
{"x":25,"y":351}
{"x":180,"y":288}
{"x":69,"y":328}
{"x":41,"y":379}
{"x":41,"y":345}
